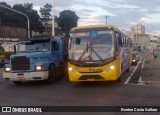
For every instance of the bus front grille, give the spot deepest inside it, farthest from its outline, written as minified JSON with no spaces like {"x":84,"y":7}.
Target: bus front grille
{"x":20,"y":63}
{"x":86,"y":77}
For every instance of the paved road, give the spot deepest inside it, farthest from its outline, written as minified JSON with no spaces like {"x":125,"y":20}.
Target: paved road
{"x":65,"y":93}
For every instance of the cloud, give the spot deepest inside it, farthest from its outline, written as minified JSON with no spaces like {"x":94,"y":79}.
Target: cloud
{"x":122,"y":13}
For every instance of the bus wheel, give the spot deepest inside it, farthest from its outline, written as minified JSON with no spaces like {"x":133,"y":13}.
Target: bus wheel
{"x":128,"y":69}
{"x":18,"y":82}
{"x":52,"y":76}
{"x":119,"y":79}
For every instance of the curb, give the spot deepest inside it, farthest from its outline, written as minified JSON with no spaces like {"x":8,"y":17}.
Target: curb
{"x":150,"y":83}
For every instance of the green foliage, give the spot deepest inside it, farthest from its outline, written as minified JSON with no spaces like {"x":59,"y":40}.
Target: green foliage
{"x":45,"y":11}
{"x":58,"y":32}
{"x":6,"y":54}
{"x":67,"y":20}
{"x":13,"y":19}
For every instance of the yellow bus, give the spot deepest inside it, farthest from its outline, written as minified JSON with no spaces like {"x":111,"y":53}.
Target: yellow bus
{"x":98,"y":53}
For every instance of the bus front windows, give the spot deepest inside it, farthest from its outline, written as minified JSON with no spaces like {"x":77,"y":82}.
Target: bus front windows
{"x":103,"y":46}
{"x":88,"y":48}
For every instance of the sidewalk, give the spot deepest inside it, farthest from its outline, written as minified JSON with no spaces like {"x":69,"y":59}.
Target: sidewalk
{"x":150,"y":74}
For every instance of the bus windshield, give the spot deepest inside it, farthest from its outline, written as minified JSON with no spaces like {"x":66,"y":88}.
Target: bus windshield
{"x":33,"y":46}
{"x":91,"y":45}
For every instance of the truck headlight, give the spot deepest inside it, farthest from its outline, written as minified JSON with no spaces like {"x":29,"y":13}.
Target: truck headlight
{"x":7,"y":69}
{"x":39,"y":68}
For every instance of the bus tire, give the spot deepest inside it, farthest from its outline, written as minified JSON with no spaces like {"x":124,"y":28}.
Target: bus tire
{"x":119,"y":79}
{"x":52,"y":75}
{"x":128,"y":69}
{"x":121,"y":74}
{"x":18,"y":82}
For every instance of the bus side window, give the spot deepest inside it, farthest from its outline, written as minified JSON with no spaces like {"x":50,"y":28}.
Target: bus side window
{"x":119,"y":39}
{"x":55,"y":46}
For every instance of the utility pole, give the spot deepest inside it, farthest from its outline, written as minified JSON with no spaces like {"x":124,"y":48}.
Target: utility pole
{"x":53,"y":33}
{"x":28,"y":23}
{"x":106,"y":17}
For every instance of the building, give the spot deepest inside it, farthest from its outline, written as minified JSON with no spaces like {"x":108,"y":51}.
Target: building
{"x":139,"y":37}
{"x":138,"y":29}
{"x":8,"y":43}
{"x":141,"y":40}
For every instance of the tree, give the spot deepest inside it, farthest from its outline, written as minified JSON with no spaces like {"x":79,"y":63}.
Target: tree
{"x":67,"y":20}
{"x":45,"y":11}
{"x":27,"y":8}
{"x":4,"y":14}
{"x":45,"y":14}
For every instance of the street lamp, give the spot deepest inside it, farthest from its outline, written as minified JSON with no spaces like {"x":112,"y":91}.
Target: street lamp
{"x":53,"y":18}
{"x":106,"y":19}
{"x":28,"y":29}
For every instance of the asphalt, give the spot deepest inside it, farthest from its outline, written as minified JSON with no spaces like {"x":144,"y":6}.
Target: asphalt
{"x":150,"y":74}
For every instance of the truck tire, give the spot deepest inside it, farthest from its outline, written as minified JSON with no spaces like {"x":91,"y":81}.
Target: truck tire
{"x":63,"y":70}
{"x":52,"y":75}
{"x":18,"y":82}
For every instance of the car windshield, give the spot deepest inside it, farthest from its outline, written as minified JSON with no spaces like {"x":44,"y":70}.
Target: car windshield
{"x":91,"y":46}
{"x":34,"y":46}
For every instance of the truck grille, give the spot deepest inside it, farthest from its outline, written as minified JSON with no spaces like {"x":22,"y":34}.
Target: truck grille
{"x":20,"y":63}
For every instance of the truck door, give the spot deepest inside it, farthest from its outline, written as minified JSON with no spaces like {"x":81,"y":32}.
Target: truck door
{"x":55,"y":51}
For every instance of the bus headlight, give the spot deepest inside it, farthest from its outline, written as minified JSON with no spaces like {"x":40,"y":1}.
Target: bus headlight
{"x":110,"y":68}
{"x":72,"y":69}
{"x":39,"y":68}
{"x":7,"y":69}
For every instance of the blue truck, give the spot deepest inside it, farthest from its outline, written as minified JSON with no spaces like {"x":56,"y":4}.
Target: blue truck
{"x":38,"y":58}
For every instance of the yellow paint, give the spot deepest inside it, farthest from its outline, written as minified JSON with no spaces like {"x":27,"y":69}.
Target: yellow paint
{"x":102,"y":71}
{"x":94,"y":26}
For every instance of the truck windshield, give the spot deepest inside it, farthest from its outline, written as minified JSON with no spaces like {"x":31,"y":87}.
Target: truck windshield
{"x":34,"y":46}
{"x":91,"y":46}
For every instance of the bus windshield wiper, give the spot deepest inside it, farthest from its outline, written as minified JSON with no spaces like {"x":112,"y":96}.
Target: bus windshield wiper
{"x":96,"y":54}
{"x":83,"y":53}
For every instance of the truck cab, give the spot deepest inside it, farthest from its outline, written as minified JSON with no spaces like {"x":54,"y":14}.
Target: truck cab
{"x":39,"y":58}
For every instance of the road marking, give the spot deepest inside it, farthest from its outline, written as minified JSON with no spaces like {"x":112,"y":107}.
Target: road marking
{"x":126,"y":82}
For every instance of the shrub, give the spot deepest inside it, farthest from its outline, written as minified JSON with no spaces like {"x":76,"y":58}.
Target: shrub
{"x":6,"y":54}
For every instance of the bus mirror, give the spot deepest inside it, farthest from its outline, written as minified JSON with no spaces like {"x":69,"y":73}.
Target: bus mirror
{"x":78,"y":40}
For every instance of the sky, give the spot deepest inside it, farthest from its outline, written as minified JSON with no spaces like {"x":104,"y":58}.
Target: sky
{"x":122,"y":13}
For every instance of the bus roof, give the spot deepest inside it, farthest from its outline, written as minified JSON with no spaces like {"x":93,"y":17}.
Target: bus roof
{"x":92,"y":26}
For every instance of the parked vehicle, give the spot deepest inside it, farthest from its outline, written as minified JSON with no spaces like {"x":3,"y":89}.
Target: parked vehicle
{"x":39,"y":58}
{"x":3,"y":62}
{"x":135,"y":58}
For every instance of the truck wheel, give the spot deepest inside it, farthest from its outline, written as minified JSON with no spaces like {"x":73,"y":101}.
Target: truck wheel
{"x":52,"y":76}
{"x":18,"y":82}
{"x":63,"y":70}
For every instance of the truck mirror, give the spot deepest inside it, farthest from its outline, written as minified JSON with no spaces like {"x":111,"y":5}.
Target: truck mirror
{"x":78,"y":40}
{"x":14,"y":49}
